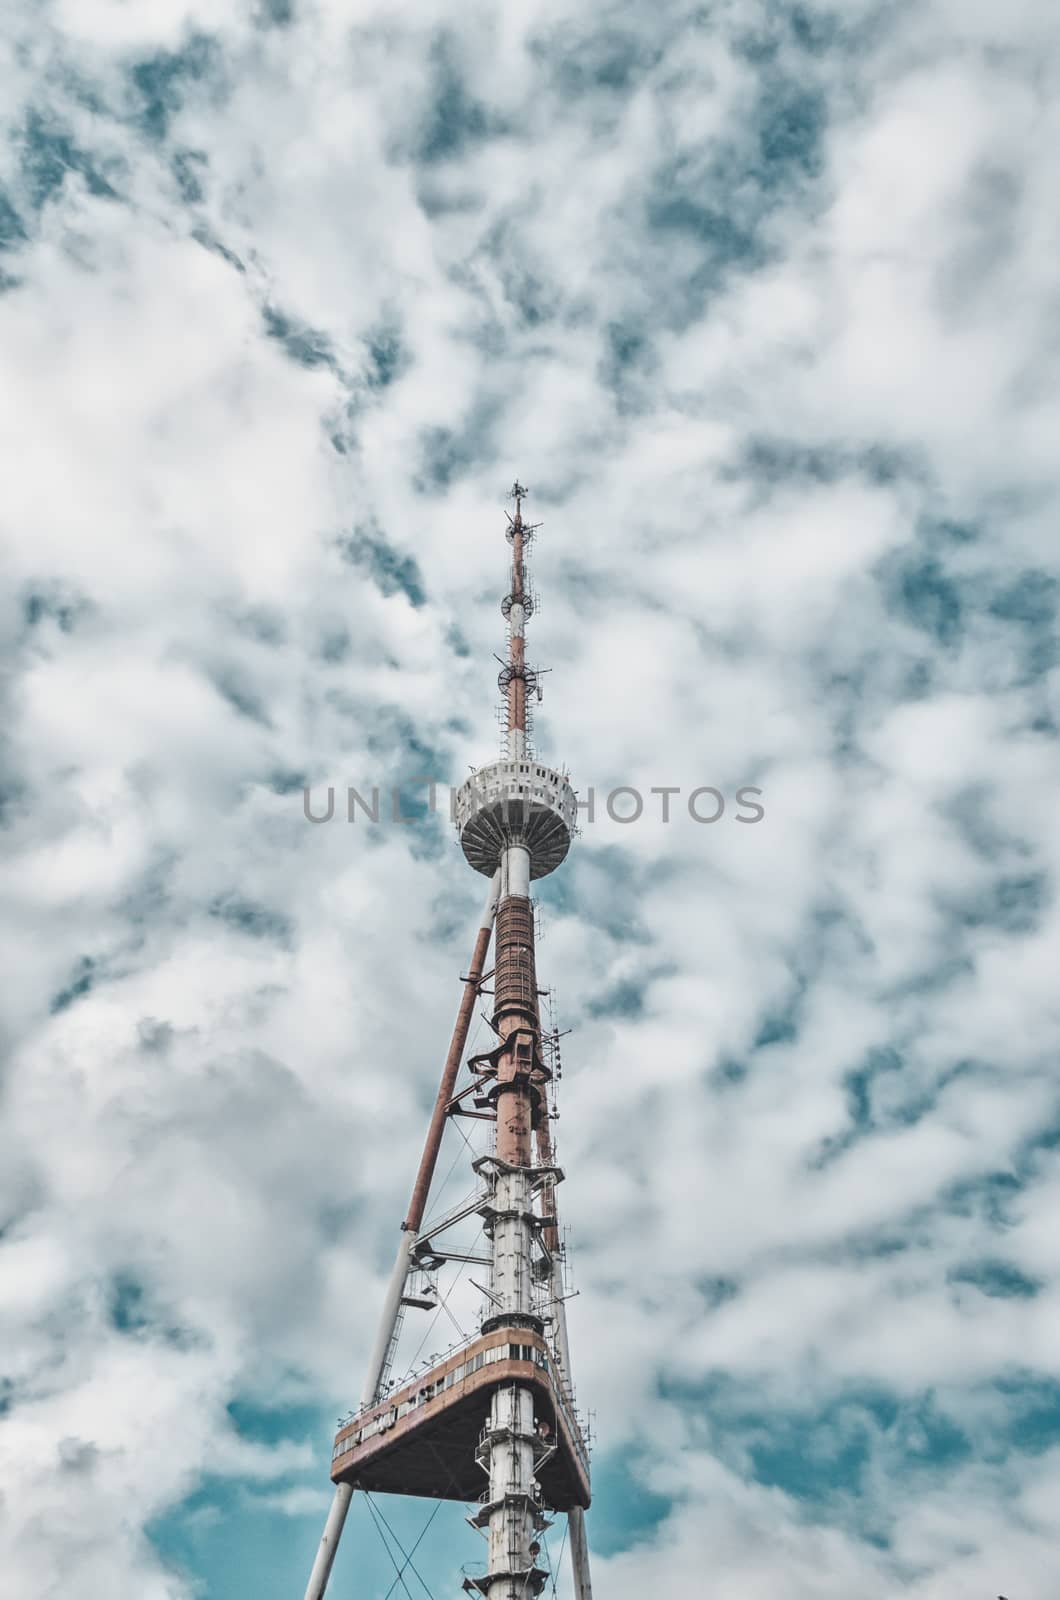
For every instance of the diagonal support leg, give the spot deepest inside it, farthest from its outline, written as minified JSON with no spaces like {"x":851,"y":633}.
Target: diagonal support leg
{"x":380,"y":1360}
{"x":382,"y":1350}
{"x":579,"y":1554}
{"x":329,"y":1544}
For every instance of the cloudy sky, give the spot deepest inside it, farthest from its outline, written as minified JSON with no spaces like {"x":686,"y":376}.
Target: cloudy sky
{"x":761,"y":300}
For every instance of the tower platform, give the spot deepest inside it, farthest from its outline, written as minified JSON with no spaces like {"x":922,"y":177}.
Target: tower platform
{"x":423,"y":1439}
{"x":516,"y":802}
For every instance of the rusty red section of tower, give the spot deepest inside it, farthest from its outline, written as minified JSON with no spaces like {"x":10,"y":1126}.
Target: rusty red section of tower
{"x":492,"y":1423}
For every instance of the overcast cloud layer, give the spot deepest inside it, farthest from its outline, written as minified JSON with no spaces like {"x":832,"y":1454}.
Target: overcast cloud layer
{"x":761,"y":300}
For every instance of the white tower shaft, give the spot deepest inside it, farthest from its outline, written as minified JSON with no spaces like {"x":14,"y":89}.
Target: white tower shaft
{"x":513,"y":1490}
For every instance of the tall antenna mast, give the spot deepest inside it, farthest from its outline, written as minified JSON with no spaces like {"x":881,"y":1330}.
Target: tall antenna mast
{"x":493,"y":1422}
{"x":517,"y":681}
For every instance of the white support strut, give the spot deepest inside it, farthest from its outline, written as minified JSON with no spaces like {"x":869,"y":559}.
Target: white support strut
{"x":579,"y":1553}
{"x":329,"y":1543}
{"x":340,"y":1505}
{"x":579,"y":1544}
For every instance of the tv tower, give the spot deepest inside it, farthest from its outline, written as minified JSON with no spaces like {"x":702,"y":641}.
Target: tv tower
{"x":492,"y":1423}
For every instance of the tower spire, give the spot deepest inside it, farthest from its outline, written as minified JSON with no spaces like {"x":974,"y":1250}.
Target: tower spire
{"x":517,"y":681}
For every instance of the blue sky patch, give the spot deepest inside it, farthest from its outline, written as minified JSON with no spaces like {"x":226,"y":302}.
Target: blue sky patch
{"x":392,"y":570}
{"x":309,"y":347}
{"x":260,"y":922}
{"x":454,"y":118}
{"x":83,"y":979}
{"x":49,"y":153}
{"x":161,"y":82}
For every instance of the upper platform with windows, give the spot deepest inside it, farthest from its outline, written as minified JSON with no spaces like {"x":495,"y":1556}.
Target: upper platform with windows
{"x":395,"y":1446}
{"x":516,"y":802}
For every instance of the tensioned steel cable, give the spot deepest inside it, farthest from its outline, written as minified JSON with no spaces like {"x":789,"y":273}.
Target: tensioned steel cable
{"x":442,"y":1300}
{"x":377,"y":1514}
{"x":415,"y":1547}
{"x":459,"y":1154}
{"x":442,"y":1305}
{"x":554,"y":1572}
{"x":400,"y":1573}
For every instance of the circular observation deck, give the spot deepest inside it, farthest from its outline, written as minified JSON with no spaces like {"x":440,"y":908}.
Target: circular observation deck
{"x":515,"y":802}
